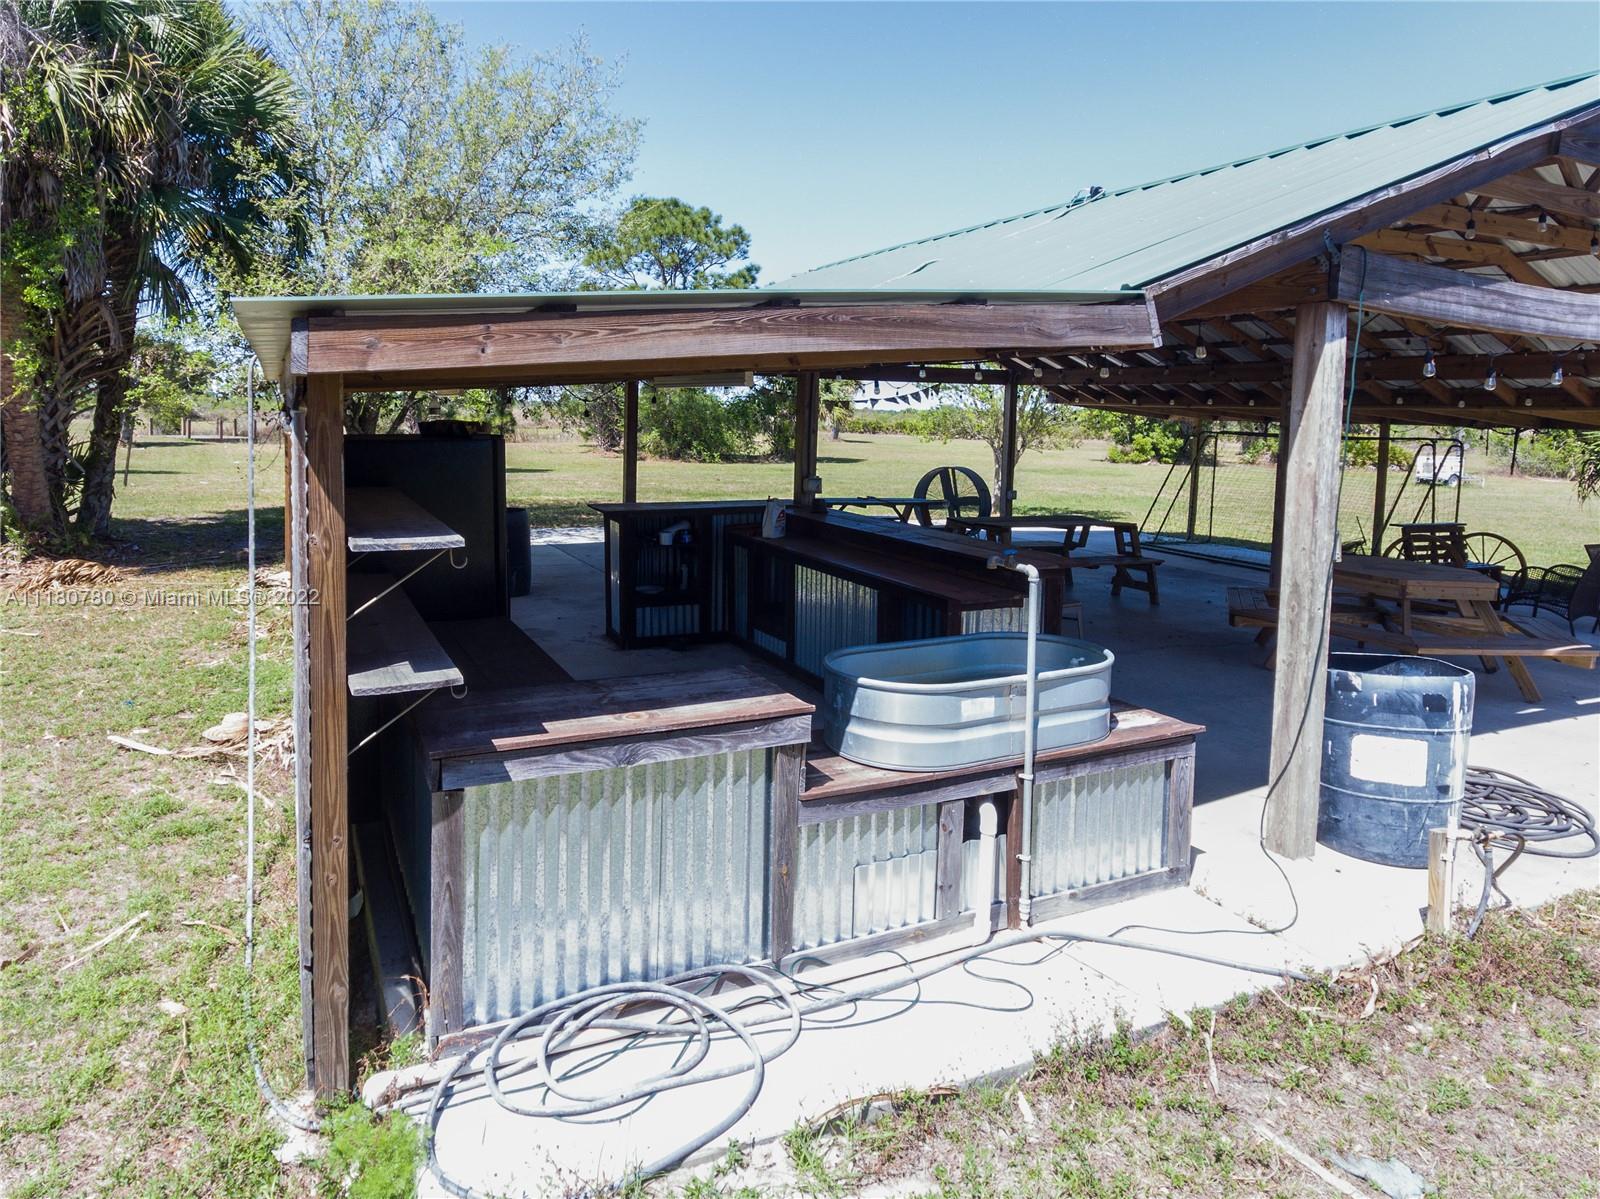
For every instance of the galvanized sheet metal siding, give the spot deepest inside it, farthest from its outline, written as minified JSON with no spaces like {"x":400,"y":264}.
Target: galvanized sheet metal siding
{"x":1095,"y":828}
{"x":835,"y":901}
{"x":721,"y":522}
{"x":581,"y":879}
{"x":995,"y":620}
{"x":830,"y":613}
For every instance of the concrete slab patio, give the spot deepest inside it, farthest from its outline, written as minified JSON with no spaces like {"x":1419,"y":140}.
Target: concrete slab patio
{"x":992,"y":1017}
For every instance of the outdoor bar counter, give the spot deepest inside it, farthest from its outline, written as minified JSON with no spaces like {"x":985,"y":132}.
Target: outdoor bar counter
{"x":576,"y":834}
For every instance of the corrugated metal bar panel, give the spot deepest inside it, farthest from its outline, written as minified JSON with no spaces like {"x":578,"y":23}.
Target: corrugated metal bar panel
{"x":919,"y":619}
{"x":675,"y":620}
{"x":721,"y":522}
{"x":581,"y":879}
{"x":830,"y":613}
{"x":826,"y":877}
{"x":995,"y":620}
{"x":1095,"y":828}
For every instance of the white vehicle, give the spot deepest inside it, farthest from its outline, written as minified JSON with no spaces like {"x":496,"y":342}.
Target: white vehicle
{"x":1439,"y":466}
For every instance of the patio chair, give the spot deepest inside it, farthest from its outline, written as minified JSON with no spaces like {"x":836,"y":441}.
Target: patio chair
{"x":1569,"y":591}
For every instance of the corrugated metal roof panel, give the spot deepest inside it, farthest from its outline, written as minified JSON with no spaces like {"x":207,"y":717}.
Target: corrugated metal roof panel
{"x":1132,"y":237}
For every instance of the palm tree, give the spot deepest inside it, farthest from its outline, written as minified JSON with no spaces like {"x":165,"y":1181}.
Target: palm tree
{"x":148,"y":145}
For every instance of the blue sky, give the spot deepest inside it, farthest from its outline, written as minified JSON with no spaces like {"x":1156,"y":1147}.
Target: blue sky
{"x":827,"y":129}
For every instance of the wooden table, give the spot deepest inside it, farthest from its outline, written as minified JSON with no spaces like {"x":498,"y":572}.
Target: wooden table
{"x":1470,"y":592}
{"x":903,"y":506}
{"x":1075,"y":529}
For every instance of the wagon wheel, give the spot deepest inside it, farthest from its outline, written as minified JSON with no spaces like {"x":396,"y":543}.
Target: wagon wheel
{"x":1494,"y":554}
{"x":1394,"y":549}
{"x":961,"y":491}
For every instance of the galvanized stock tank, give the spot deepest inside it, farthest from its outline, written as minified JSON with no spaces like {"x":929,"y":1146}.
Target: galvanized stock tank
{"x":949,"y":702}
{"x":1395,"y":736}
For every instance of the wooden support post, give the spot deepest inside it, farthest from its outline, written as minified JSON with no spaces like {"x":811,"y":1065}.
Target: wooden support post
{"x":1441,"y":880}
{"x":1279,"y":483}
{"x":1380,"y":490}
{"x":630,"y":442}
{"x":447,"y":917}
{"x":1310,"y":530}
{"x":1014,"y":818}
{"x":330,"y":817}
{"x":1197,"y":443}
{"x":805,"y":438}
{"x":1008,"y":448}
{"x":947,"y":873}
{"x":788,"y":780}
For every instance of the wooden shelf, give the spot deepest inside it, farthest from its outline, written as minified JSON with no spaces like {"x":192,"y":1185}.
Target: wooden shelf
{"x":381,"y":518}
{"x":390,"y":650}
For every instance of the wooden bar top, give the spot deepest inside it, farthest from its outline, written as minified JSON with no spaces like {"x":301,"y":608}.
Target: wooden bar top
{"x":877,"y":566}
{"x":830,"y":777}
{"x":949,"y":549}
{"x":559,"y":714}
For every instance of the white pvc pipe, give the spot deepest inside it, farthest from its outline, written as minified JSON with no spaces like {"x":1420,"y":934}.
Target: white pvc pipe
{"x":1008,"y":561}
{"x":988,"y":830}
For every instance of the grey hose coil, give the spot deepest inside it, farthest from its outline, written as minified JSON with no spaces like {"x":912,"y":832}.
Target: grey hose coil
{"x":554,"y":1027}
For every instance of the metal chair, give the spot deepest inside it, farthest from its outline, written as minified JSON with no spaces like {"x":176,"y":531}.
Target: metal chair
{"x":1572,"y":592}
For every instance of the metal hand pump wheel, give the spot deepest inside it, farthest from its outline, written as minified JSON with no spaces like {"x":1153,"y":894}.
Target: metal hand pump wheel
{"x":961,"y":491}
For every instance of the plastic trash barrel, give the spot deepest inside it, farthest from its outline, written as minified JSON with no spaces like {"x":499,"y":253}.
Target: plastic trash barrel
{"x":1394,"y":754}
{"x":519,"y":552}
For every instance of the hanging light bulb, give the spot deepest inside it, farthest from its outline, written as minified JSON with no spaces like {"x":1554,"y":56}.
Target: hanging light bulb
{"x":1492,"y":379}
{"x":1037,"y":373}
{"x":1200,"y":350}
{"x":875,"y":388}
{"x":1594,"y":245}
{"x":1105,"y":372}
{"x":1430,"y":368}
{"x":1557,"y":374}
{"x":1471,"y":231}
{"x":1544,"y":222}
{"x":922,"y":373}
{"x":977,"y":376}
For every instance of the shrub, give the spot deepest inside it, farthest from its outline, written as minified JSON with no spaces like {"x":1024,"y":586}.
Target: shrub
{"x":693,"y":425}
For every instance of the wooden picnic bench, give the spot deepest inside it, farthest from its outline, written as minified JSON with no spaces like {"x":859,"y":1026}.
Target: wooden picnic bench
{"x":1130,"y":566}
{"x":1388,"y":603}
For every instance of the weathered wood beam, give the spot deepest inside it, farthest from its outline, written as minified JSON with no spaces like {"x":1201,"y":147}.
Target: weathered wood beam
{"x":1310,"y":454}
{"x":1008,"y":447}
{"x":1552,"y":197}
{"x":1510,"y":228}
{"x":1480,"y":253}
{"x":1444,"y":296}
{"x":1581,"y":142}
{"x":330,"y":815}
{"x":806,"y":415}
{"x":541,"y":344}
{"x":1189,"y":290}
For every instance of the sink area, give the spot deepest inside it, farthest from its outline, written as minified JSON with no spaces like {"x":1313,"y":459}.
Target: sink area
{"x":949,"y":702}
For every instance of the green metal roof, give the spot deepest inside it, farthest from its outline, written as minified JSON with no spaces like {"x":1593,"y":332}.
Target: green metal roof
{"x":1132,"y":237}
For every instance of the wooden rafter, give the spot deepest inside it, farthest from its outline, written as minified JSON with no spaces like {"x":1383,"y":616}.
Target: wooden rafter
{"x":1552,"y":197}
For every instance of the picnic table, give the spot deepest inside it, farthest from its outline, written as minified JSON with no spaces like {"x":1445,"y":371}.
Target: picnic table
{"x":903,"y":506}
{"x":1425,"y":608}
{"x":1128,"y":560}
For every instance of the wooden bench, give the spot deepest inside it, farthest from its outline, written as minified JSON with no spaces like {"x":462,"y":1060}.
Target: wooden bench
{"x":1445,"y":637}
{"x":1124,"y":567}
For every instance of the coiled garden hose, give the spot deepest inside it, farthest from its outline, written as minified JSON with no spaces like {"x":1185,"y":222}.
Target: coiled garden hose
{"x":688,"y":1017}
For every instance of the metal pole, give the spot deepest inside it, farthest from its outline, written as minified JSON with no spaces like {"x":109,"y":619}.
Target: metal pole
{"x":1197,"y":442}
{"x":630,"y":442}
{"x":1380,"y":488}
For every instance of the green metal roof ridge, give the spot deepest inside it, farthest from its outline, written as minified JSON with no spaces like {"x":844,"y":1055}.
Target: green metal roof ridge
{"x":1067,"y":205}
{"x":756,"y":296}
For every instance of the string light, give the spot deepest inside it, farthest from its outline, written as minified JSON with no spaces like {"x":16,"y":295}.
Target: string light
{"x":1492,"y":379}
{"x":1557,"y":374}
{"x":1430,"y":368}
{"x":1200,"y":350}
{"x":1544,"y":222}
{"x":1105,"y":372}
{"x":1471,"y":231}
{"x":1594,"y":245}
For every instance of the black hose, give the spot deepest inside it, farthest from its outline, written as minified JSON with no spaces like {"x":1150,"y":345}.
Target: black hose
{"x":1504,"y":810}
